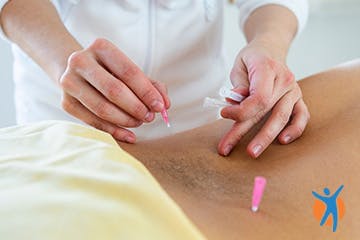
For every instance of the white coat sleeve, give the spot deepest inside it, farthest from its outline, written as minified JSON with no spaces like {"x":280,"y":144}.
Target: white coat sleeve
{"x":298,"y":7}
{"x":2,"y":4}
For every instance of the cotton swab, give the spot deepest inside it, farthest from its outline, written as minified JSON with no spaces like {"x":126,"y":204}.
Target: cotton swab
{"x":259,"y":187}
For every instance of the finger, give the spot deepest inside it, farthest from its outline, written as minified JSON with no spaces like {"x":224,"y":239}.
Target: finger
{"x":233,"y":136}
{"x":260,"y":99}
{"x":113,"y":89}
{"x":239,"y":77}
{"x":76,"y":109}
{"x":125,"y":70}
{"x":278,"y":119}
{"x":300,"y":118}
{"x":261,"y":78}
{"x":96,"y":103}
{"x":284,"y":82}
{"x":163,"y":91}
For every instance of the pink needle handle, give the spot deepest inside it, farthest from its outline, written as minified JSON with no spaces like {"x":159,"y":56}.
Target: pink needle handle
{"x":259,"y":187}
{"x":165,"y":116}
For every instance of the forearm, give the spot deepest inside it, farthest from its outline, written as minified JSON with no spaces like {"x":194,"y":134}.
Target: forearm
{"x":274,"y":27}
{"x":36,"y":27}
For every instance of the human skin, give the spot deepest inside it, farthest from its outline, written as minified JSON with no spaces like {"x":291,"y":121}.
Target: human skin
{"x":215,"y":192}
{"x":119,"y":96}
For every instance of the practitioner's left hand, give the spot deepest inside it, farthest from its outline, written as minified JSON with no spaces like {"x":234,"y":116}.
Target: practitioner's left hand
{"x":270,"y":87}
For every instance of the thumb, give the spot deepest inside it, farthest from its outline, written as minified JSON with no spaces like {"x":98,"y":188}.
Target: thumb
{"x":239,"y":78}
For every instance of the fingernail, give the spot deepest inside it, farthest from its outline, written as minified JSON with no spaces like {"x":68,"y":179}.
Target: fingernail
{"x":227,"y":149}
{"x":223,"y":114}
{"x":129,"y":139}
{"x":287,"y":138}
{"x":157,"y":105}
{"x":149,"y":117}
{"x":257,"y":150}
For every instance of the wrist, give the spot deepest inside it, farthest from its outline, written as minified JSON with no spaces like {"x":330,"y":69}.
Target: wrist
{"x":63,"y":53}
{"x":36,"y":27}
{"x":275,"y":47}
{"x":272,"y":27}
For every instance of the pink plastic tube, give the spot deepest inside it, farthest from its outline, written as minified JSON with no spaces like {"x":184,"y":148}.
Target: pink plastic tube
{"x":165,"y":117}
{"x":259,"y":187}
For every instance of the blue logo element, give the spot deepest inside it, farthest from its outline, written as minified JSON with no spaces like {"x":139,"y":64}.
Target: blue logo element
{"x":331,"y":205}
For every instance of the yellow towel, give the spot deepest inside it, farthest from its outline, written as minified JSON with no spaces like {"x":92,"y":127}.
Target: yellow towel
{"x":61,"y":180}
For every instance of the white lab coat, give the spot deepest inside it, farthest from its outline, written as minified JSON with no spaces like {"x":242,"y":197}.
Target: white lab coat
{"x":177,"y":42}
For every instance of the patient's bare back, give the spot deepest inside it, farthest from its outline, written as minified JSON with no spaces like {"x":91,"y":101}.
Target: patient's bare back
{"x":215,"y":191}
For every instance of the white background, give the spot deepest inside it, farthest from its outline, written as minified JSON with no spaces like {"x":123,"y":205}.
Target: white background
{"x":332,"y":36}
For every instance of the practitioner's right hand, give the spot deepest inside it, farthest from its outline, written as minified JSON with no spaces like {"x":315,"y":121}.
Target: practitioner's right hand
{"x":105,"y":89}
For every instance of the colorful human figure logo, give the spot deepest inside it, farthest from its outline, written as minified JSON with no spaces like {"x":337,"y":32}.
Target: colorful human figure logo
{"x":329,"y":208}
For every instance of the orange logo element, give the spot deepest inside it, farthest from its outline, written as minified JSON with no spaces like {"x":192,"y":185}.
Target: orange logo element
{"x":329,"y":208}
{"x":319,"y":209}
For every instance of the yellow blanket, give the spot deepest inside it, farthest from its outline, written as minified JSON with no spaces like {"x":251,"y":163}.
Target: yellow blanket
{"x":61,"y":180}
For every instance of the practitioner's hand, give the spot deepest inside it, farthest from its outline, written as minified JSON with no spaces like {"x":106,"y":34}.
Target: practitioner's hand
{"x":270,"y":87}
{"x":105,"y":89}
